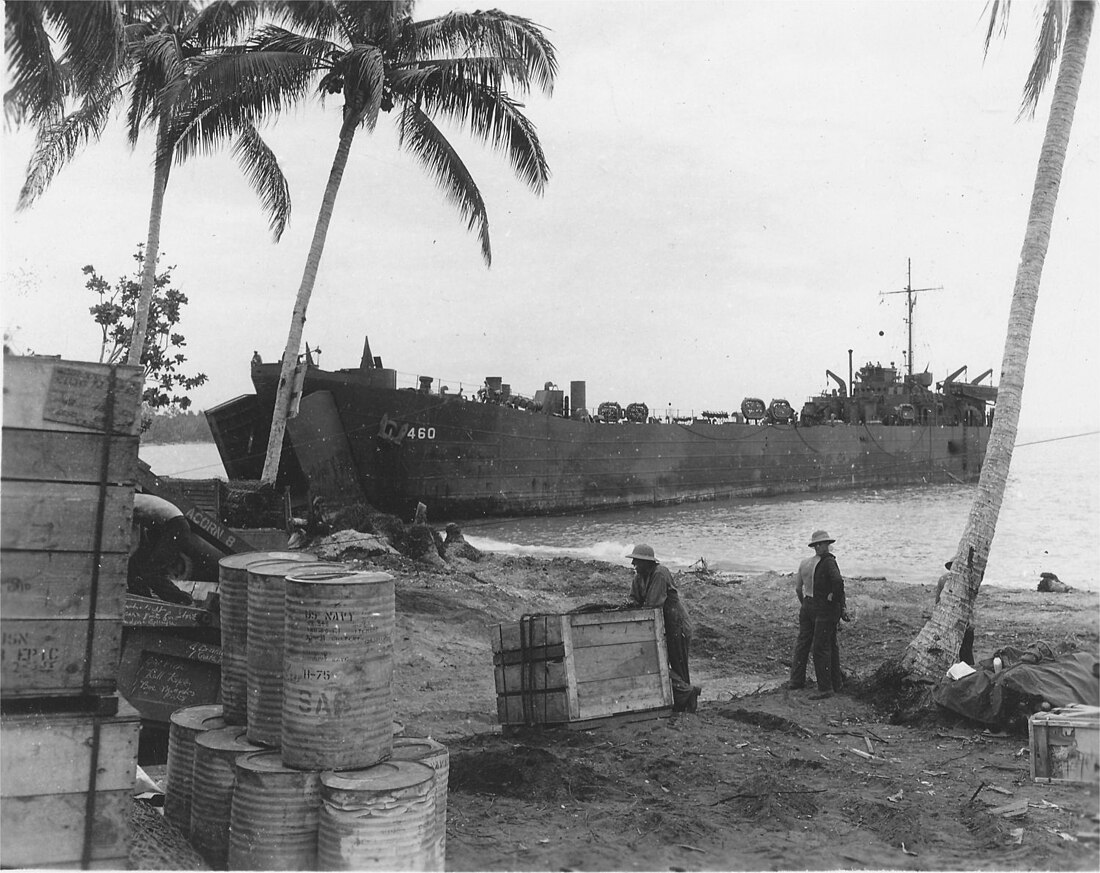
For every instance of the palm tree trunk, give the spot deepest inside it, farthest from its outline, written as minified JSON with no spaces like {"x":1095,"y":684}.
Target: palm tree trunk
{"x":298,"y":317}
{"x":935,"y":647}
{"x":149,"y":267}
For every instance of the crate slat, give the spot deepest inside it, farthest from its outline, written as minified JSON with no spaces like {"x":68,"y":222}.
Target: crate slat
{"x":55,"y":394}
{"x":56,"y":516}
{"x":25,"y":821}
{"x":58,"y":585}
{"x":614,"y":662}
{"x":46,"y":656}
{"x":66,"y":456}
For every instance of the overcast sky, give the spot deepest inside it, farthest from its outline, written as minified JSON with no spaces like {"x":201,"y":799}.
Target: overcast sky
{"x":733,"y":187}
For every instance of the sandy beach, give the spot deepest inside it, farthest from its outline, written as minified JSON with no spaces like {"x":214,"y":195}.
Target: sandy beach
{"x":760,"y":777}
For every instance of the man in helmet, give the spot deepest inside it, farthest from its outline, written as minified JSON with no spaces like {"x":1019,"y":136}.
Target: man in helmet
{"x":820,"y":590}
{"x":653,"y":587}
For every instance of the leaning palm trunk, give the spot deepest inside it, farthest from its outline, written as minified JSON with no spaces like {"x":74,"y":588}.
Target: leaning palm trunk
{"x":301,"y":303}
{"x":935,"y":647}
{"x":152,"y":247}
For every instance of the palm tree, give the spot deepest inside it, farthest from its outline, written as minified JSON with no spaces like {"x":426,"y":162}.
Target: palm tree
{"x":454,"y":67}
{"x":164,"y":45}
{"x":1065,"y":28}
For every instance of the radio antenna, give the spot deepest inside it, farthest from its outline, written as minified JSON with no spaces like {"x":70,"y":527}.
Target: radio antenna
{"x":909,"y":291}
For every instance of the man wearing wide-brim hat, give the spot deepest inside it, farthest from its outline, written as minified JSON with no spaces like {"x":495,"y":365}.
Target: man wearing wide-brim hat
{"x":820,"y":590}
{"x":653,"y":587}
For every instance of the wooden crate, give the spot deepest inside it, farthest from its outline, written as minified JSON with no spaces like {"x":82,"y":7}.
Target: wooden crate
{"x":68,"y":468}
{"x":1065,"y":744}
{"x":161,"y":673}
{"x":66,"y":793}
{"x":557,"y":669}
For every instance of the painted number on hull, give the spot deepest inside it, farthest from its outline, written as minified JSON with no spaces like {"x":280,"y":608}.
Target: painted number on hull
{"x":396,"y":432}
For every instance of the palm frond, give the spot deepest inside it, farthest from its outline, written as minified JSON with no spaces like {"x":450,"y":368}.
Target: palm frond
{"x":420,"y":136}
{"x":224,"y":20}
{"x":37,"y":91}
{"x":1048,"y":45}
{"x":497,"y":34}
{"x":272,"y":38}
{"x":232,"y":90}
{"x":93,"y":35}
{"x":998,"y":21}
{"x":58,"y":143}
{"x":493,"y":117}
{"x":319,"y":19}
{"x":260,"y":166}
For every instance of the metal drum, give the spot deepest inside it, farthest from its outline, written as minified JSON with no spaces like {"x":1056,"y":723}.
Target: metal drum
{"x":273,"y":823}
{"x":435,"y":755}
{"x":266,"y":618}
{"x":233,"y":594}
{"x":212,"y":790}
{"x":338,"y":670}
{"x":184,"y":725}
{"x":377,"y":819}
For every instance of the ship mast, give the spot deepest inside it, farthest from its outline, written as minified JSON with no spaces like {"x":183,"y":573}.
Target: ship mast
{"x":909,"y":291}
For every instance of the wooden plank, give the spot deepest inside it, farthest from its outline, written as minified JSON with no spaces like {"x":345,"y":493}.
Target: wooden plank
{"x":58,"y":584}
{"x":56,"y":394}
{"x":56,"y":516}
{"x":48,"y":829}
{"x":619,"y":719}
{"x":535,"y":653}
{"x":46,"y":656}
{"x":612,"y":662}
{"x":540,"y":630}
{"x":67,"y":456}
{"x":571,"y":673}
{"x":51,"y":754}
{"x":535,"y":676}
{"x":595,"y":635}
{"x":620,"y":695}
{"x":619,"y":616}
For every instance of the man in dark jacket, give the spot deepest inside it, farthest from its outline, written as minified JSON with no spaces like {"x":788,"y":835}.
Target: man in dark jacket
{"x":820,"y":590}
{"x":653,"y":586}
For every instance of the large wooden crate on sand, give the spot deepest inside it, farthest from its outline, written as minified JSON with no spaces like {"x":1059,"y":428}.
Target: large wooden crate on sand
{"x":69,"y":461}
{"x":573,"y":668}
{"x":67,"y":787}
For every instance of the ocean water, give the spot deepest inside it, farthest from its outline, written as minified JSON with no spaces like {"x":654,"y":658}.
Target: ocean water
{"x":1049,"y":522}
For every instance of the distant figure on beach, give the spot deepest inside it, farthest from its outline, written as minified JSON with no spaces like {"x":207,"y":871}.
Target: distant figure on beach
{"x":160,"y":536}
{"x":653,"y":587}
{"x":966,"y":650}
{"x":820,"y":590}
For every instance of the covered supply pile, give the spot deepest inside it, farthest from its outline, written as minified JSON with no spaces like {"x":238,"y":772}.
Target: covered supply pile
{"x":68,"y":741}
{"x":299,"y":769}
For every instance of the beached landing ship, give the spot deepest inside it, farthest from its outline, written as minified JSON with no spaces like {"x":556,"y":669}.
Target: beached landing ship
{"x":498,"y":453}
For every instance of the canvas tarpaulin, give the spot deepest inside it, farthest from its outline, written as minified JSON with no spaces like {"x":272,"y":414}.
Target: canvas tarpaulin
{"x":1029,"y":678}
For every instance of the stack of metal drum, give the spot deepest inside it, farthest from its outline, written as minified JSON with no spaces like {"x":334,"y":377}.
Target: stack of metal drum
{"x":299,"y":767}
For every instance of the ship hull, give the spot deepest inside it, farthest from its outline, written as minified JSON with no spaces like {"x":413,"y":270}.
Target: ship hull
{"x":467,"y":459}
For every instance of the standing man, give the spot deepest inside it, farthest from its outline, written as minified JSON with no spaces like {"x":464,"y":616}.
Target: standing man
{"x":653,"y":587}
{"x":820,"y":590}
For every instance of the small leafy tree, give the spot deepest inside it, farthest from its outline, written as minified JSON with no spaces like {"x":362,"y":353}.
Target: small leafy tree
{"x":165,"y":382}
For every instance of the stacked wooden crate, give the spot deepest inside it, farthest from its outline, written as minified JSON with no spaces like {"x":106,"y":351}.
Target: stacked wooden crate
{"x":69,"y":458}
{"x":575,"y":668}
